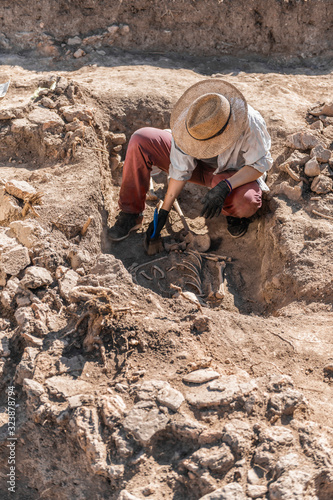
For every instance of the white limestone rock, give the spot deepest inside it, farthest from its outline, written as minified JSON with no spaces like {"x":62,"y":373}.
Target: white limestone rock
{"x":145,"y":423}
{"x":10,"y":210}
{"x":322,"y":184}
{"x":35,"y":277}
{"x":66,"y":386}
{"x":312,"y":168}
{"x":112,"y":409}
{"x":221,"y":392}
{"x":200,"y":376}
{"x":28,"y":232}
{"x":290,"y":486}
{"x":232,"y":491}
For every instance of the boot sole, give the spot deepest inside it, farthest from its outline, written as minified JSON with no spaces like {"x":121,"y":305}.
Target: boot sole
{"x":126,"y":235}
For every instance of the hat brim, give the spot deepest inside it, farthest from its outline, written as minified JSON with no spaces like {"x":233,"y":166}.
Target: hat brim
{"x":216,"y":145}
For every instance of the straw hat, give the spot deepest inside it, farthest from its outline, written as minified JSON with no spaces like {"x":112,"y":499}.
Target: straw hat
{"x":208,"y":118}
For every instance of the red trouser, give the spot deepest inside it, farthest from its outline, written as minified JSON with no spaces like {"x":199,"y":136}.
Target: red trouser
{"x":151,"y":146}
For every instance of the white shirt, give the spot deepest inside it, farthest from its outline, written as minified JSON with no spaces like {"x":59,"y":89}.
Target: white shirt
{"x":252,"y":149}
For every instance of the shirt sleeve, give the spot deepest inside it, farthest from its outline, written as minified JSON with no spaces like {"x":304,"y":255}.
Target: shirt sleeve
{"x":181,"y":164}
{"x":257,"y":143}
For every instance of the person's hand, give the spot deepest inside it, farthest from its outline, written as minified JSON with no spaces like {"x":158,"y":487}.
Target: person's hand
{"x":214,"y":200}
{"x":162,"y":218}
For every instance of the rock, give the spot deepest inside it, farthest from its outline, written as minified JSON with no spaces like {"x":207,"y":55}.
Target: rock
{"x":78,"y":258}
{"x":124,"y":29}
{"x":238,"y":434}
{"x":276,"y":436}
{"x":28,"y":232}
{"x":286,"y":402}
{"x":32,"y":388}
{"x":121,"y":387}
{"x":9,"y":293}
{"x":4,"y":344}
{"x":19,"y":189}
{"x":67,"y":283}
{"x":67,"y":386}
{"x":328,"y":133}
{"x":302,"y":140}
{"x":322,"y":184}
{"x":32,"y":319}
{"x":286,"y":462}
{"x":312,"y":168}
{"x":144,"y":424}
{"x":125,"y":495}
{"x":278,"y":383}
{"x":252,"y":477}
{"x":325,"y":109}
{"x":264,"y":459}
{"x":184,"y":427}
{"x":290,"y":486}
{"x":3,"y":278}
{"x":78,"y":112}
{"x":113,"y":408}
{"x":76,"y":40}
{"x":296,"y":159}
{"x":25,"y":368}
{"x":200,"y":376}
{"x":85,"y":426}
{"x":9,"y":208}
{"x":113,"y":29}
{"x":46,"y":119}
{"x":256,"y":490}
{"x":221,"y":392}
{"x":317,"y":125}
{"x":35,"y":277}
{"x":232,"y":491}
{"x":47,"y":103}
{"x":13,"y":259}
{"x":124,"y":449}
{"x":171,"y":398}
{"x":292,"y":193}
{"x":320,"y":153}
{"x":79,"y":53}
{"x":162,"y":392}
{"x":218,"y":459}
{"x":71,"y":365}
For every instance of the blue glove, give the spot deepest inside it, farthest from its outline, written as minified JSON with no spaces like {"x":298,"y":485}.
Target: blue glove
{"x":156,"y":225}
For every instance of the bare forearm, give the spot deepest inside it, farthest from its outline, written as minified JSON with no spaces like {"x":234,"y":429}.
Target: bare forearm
{"x":243,"y":176}
{"x":174,"y":189}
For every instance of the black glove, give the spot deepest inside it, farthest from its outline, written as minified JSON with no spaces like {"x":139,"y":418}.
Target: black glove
{"x":162,"y":218}
{"x":213,"y":201}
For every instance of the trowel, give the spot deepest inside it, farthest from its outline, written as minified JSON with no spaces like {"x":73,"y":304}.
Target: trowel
{"x":3,"y":89}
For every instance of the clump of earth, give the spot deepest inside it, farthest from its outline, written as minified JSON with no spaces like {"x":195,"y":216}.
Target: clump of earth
{"x":128,"y":382}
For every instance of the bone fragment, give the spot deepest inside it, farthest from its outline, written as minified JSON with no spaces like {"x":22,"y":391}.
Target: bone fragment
{"x":220,"y":292}
{"x":194,"y":285}
{"x":145,"y":275}
{"x":292,"y":174}
{"x":329,"y":217}
{"x":85,"y":226}
{"x":156,"y":268}
{"x":180,"y":291}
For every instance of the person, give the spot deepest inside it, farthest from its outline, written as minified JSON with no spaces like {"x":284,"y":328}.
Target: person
{"x":216,"y":140}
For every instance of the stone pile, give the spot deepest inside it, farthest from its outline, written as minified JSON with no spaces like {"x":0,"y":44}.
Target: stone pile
{"x":53,"y":125}
{"x":229,"y":436}
{"x":309,"y":163}
{"x":73,"y":47}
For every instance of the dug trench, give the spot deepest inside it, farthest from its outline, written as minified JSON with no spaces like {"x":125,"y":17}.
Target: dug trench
{"x":124,"y":388}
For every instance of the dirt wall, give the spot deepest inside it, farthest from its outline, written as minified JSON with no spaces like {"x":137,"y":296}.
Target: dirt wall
{"x":199,"y":27}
